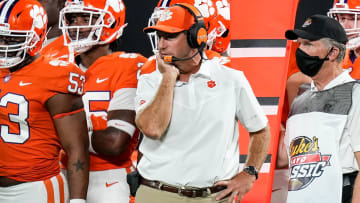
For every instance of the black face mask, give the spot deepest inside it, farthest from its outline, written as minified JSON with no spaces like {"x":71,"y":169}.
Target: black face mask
{"x":309,"y":65}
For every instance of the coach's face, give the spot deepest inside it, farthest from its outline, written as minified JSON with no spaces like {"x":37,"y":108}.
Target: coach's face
{"x":175,"y":44}
{"x":313,"y":48}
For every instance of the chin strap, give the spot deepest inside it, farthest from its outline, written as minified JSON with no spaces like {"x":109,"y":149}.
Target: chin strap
{"x":71,"y":54}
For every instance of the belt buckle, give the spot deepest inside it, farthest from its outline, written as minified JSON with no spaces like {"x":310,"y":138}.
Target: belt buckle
{"x":193,"y":193}
{"x":180,"y":189}
{"x":153,"y":184}
{"x":206,"y":192}
{"x":160,"y":185}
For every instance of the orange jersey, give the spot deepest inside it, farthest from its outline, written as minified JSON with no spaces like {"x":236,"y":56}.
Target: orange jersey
{"x":224,"y":60}
{"x":354,"y":68}
{"x":29,"y":144}
{"x":103,"y":78}
{"x":56,"y":49}
{"x":150,"y":65}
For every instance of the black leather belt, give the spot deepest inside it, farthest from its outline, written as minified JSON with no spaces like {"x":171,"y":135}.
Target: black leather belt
{"x":196,"y":192}
{"x":349,"y":178}
{"x":7,"y":182}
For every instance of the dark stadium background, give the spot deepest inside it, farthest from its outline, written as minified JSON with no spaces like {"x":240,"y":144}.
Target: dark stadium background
{"x":139,"y":11}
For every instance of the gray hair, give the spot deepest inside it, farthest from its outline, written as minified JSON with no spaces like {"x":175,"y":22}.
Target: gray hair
{"x":332,"y":43}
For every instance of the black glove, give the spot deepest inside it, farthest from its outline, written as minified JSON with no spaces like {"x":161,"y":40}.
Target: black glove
{"x":133,"y":179}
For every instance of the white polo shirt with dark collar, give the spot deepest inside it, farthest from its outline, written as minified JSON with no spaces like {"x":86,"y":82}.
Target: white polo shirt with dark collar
{"x":201,"y":144}
{"x":350,"y":139}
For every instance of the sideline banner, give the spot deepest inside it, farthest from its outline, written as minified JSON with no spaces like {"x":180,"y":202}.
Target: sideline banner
{"x":259,"y":48}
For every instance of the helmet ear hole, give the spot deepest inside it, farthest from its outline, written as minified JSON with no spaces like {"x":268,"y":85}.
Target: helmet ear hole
{"x":115,"y":23}
{"x":226,"y":33}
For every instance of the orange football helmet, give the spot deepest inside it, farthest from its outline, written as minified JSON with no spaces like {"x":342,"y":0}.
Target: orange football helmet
{"x":23,"y":25}
{"x":206,"y":8}
{"x":346,"y":11}
{"x":107,"y":21}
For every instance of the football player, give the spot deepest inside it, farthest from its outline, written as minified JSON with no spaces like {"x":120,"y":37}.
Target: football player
{"x":91,"y":29}
{"x":347,"y":12}
{"x":40,"y":113}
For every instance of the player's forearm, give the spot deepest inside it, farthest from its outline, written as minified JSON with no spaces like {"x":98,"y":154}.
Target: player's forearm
{"x":258,"y":147}
{"x":111,"y":142}
{"x":155,"y":118}
{"x":72,"y":131}
{"x":78,"y":173}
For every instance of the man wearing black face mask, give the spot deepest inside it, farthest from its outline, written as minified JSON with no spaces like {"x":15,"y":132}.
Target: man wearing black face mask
{"x":322,"y":135}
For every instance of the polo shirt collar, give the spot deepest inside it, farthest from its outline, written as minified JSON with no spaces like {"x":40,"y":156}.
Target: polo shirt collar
{"x":344,"y":77}
{"x":204,"y":71}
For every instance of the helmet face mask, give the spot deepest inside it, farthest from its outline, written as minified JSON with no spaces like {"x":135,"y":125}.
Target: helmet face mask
{"x":353,"y":17}
{"x":22,"y":32}
{"x":102,"y":22}
{"x":14,"y":46}
{"x":154,"y":39}
{"x":82,"y":37}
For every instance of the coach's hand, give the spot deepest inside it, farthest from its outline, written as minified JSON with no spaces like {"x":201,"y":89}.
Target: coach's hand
{"x":167,"y":69}
{"x":239,"y":185}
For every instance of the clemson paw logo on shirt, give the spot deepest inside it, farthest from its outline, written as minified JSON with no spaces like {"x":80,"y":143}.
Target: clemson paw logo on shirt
{"x":142,"y":102}
{"x":165,"y":15}
{"x":211,"y":84}
{"x":39,"y":16}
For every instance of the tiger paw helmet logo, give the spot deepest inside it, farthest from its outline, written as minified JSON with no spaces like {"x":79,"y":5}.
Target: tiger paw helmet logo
{"x":117,"y":5}
{"x":306,"y":163}
{"x":38,"y":14}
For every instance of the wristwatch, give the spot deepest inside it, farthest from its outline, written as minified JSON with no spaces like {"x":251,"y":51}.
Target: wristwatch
{"x":251,"y":170}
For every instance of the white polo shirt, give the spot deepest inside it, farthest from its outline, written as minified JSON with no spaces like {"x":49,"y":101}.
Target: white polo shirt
{"x":350,"y":139}
{"x":201,"y":144}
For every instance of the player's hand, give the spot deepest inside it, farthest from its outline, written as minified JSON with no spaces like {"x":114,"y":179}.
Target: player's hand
{"x":167,"y":69}
{"x":98,"y":122}
{"x":238,"y":186}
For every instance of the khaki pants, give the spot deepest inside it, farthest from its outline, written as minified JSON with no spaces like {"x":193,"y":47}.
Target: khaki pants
{"x":147,"y":194}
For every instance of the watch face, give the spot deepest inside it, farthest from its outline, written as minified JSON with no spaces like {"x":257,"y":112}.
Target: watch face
{"x":251,"y":170}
